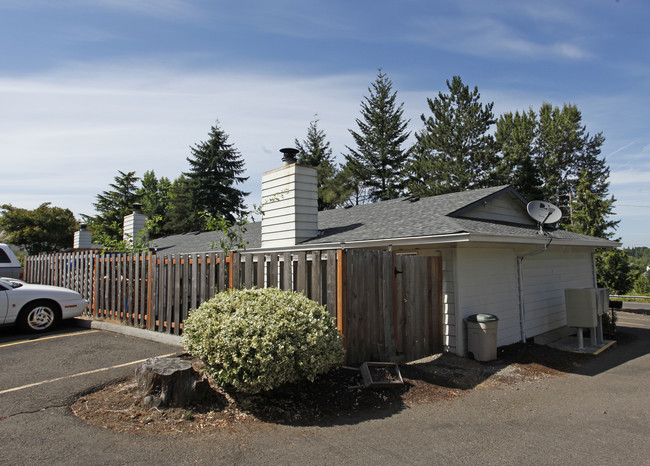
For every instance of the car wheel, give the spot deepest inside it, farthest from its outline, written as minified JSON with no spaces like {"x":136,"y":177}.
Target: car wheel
{"x":39,"y":316}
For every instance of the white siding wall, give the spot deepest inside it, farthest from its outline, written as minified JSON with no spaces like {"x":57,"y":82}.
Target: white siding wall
{"x":133,"y":226}
{"x":501,"y":209}
{"x":488,"y":283}
{"x":545,"y":276}
{"x":290,"y":204}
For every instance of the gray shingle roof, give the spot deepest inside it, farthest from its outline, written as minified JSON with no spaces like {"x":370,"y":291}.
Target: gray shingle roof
{"x":395,"y":219}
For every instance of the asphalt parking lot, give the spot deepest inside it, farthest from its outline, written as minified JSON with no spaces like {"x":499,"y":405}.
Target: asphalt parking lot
{"x":46,"y":370}
{"x":599,"y":415}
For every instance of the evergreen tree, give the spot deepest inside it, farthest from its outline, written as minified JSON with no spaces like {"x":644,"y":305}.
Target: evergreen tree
{"x":349,"y":190}
{"x":154,"y":197}
{"x":112,"y":206}
{"x":181,"y":217}
{"x":590,"y":211}
{"x":454,"y":152}
{"x":517,"y":167}
{"x":215,"y":171}
{"x":559,"y":143}
{"x":315,"y":151}
{"x":378,"y":162}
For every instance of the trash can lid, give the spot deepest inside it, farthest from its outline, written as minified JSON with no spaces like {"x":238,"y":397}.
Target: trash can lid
{"x":480,"y":318}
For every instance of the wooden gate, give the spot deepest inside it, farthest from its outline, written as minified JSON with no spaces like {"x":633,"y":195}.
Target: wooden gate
{"x":393,"y":307}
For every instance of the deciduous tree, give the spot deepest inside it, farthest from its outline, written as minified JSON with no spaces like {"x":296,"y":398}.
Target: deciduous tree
{"x":45,"y":229}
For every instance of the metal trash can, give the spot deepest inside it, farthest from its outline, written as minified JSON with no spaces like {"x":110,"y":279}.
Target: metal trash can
{"x":482,"y":336}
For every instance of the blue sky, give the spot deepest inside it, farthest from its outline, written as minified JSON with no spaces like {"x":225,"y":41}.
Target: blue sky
{"x":90,"y":87}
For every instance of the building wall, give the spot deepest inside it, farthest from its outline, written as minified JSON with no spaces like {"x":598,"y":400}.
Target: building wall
{"x":501,"y":209}
{"x":545,"y":276}
{"x":487,"y":283}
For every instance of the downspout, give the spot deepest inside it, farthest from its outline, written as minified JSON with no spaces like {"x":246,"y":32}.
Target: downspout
{"x":520,"y":280}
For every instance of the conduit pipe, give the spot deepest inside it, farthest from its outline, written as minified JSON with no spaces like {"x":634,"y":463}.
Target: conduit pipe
{"x":520,"y":280}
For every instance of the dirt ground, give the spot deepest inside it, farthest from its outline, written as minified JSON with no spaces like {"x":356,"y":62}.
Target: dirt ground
{"x":337,"y":397}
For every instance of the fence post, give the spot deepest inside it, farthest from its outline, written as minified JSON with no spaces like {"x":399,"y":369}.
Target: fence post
{"x":150,"y":285}
{"x":231,"y":256}
{"x":340,"y":293}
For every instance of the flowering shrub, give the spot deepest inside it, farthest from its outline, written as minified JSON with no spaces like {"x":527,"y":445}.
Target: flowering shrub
{"x":259,"y":339}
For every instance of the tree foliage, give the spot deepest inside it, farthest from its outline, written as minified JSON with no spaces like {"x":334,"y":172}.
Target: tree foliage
{"x":517,"y":166}
{"x":154,"y":195}
{"x":315,"y":150}
{"x":614,"y":271}
{"x":112,"y":206}
{"x":216,"y":169}
{"x":378,"y":161}
{"x":455,"y":151}
{"x":45,"y":229}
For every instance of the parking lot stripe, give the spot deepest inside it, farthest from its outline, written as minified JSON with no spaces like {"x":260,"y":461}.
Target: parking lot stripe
{"x":81,"y":374}
{"x":48,"y":338}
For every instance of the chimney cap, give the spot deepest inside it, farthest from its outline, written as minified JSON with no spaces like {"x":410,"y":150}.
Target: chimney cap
{"x":137,"y":208}
{"x":289,"y":155}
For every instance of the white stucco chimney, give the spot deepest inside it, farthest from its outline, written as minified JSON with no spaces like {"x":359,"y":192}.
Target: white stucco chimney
{"x":289,"y":203}
{"x":134,"y":225}
{"x":83,"y":239}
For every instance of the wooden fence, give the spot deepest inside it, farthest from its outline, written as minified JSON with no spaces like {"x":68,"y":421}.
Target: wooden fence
{"x":387,"y":306}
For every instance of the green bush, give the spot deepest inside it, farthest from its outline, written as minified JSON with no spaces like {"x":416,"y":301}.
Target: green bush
{"x":259,"y":339}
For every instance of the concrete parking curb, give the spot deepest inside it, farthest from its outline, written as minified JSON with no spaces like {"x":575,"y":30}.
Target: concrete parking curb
{"x":165,"y":338}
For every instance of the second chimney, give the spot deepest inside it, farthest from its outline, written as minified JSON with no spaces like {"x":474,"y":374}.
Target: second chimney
{"x":134,"y":226}
{"x":289,"y":202}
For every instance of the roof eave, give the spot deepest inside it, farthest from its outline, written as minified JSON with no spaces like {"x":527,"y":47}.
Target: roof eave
{"x":445,"y":239}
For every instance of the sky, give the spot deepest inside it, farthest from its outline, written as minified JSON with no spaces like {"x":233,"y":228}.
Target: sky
{"x":92,"y":87}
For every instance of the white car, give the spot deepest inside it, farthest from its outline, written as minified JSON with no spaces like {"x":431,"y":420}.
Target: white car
{"x":37,"y":308}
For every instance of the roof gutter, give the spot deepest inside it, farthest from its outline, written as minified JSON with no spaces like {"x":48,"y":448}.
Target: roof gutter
{"x":444,"y":239}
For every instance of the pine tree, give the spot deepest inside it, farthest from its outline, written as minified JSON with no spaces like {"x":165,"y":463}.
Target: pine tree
{"x":378,"y":162}
{"x":454,"y":152}
{"x":590,"y":211}
{"x":559,"y":142}
{"x":181,"y":217}
{"x":517,"y":167}
{"x":112,"y":206}
{"x":315,"y":151}
{"x":215,"y":171}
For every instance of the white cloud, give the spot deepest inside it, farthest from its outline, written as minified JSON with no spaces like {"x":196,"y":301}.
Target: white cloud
{"x":69,"y":132}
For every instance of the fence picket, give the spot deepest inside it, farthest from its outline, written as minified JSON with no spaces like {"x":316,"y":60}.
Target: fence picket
{"x":389,"y":306}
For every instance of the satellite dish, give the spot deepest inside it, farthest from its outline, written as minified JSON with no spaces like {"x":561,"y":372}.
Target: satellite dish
{"x":543,"y":212}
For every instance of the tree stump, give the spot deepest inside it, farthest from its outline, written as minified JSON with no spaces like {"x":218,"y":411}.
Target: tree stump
{"x":170,"y":382}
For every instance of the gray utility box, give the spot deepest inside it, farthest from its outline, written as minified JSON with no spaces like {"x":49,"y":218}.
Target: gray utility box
{"x":584,"y":309}
{"x":584,"y":306}
{"x":482,"y":336}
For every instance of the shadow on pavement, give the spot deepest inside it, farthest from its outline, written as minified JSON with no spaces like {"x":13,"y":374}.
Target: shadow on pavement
{"x":631,"y":343}
{"x":11,"y":333}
